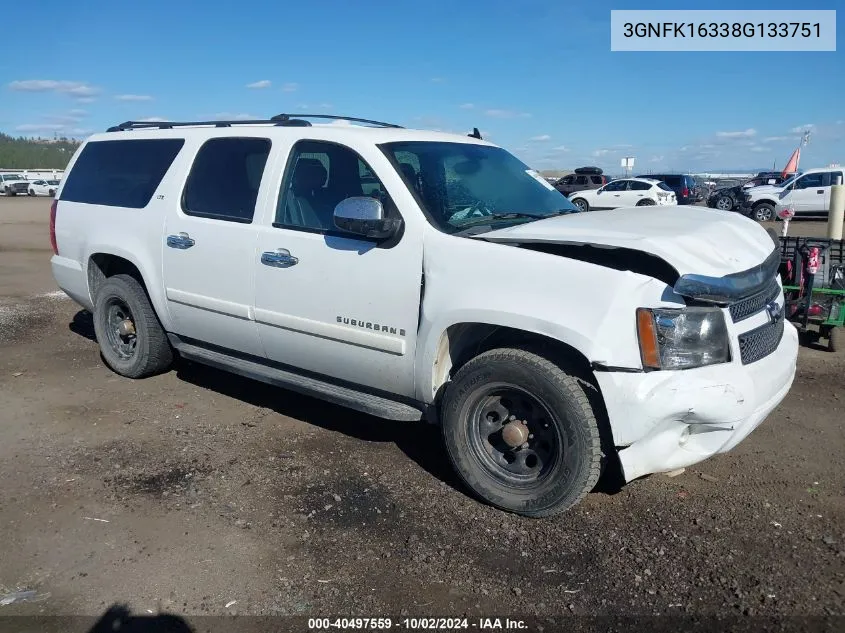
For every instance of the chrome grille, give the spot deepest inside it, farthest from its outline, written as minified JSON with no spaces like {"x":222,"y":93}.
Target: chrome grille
{"x":760,"y":342}
{"x":752,"y":305}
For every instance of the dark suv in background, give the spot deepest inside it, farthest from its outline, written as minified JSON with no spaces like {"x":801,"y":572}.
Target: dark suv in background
{"x":685,"y":187}
{"x":583,"y":178}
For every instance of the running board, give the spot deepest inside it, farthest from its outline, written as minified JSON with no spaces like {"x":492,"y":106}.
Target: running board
{"x":336,"y":394}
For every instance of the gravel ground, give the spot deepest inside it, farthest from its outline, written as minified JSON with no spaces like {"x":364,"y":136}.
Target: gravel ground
{"x":199,"y":493}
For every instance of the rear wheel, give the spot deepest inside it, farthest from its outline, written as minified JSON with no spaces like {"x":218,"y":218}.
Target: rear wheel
{"x":646,"y":202}
{"x":521,"y":433}
{"x":834,"y":341}
{"x":582,"y":204}
{"x":131,"y":339}
{"x":763,"y":212}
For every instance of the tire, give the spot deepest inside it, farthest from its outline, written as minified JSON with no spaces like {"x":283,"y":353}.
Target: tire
{"x":645,"y":202}
{"x":834,"y":339}
{"x":582,"y":204}
{"x":763,"y":212}
{"x":724,"y":203}
{"x":30,"y":192}
{"x":560,"y":461}
{"x":51,"y":193}
{"x":123,"y":297}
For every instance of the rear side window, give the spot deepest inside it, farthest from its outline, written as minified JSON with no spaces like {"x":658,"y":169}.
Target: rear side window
{"x":637,"y":185}
{"x":597,"y":180}
{"x":120,"y":173}
{"x":672,"y":181}
{"x":225,"y":177}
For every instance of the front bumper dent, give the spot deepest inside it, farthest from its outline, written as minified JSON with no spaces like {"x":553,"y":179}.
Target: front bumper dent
{"x":669,"y":420}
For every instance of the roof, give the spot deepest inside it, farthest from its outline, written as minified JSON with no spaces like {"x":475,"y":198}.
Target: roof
{"x":337,"y":131}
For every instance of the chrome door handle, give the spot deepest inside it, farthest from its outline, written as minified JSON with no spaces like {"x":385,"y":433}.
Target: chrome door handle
{"x":181,"y":241}
{"x":280,"y":258}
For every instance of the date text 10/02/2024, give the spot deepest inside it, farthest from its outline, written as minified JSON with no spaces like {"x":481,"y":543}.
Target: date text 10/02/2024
{"x":417,"y":624}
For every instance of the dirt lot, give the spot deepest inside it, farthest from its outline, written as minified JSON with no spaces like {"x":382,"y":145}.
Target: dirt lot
{"x":196,"y":490}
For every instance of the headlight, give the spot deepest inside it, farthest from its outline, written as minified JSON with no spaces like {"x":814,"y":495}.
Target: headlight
{"x":682,"y":338}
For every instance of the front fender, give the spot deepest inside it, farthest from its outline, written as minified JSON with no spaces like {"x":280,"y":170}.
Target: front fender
{"x":589,"y":307}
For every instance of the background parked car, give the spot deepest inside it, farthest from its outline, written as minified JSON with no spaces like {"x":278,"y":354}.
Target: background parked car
{"x":807,"y":194}
{"x":13,"y":184}
{"x":730,"y":198}
{"x":43,"y":187}
{"x":625,"y":192}
{"x":583,"y":179}
{"x":685,"y":187}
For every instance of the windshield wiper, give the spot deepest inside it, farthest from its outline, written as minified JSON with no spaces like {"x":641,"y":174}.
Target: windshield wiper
{"x":495,"y":217}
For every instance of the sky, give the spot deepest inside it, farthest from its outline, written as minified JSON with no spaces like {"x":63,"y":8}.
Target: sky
{"x":535,"y":76}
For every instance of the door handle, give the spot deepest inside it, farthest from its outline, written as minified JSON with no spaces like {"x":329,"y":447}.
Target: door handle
{"x":819,"y":190}
{"x":181,"y":241}
{"x":280,"y":258}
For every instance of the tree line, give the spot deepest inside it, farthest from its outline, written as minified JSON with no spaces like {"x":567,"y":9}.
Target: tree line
{"x":31,"y":153}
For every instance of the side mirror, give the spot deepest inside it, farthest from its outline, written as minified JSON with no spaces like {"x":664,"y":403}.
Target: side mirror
{"x":364,"y":217}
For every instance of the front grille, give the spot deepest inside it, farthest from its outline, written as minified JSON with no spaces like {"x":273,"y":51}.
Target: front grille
{"x":752,"y":305}
{"x":761,"y":341}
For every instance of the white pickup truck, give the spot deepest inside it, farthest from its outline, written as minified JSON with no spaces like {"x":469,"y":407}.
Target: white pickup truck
{"x":13,"y":184}
{"x":807,"y":194}
{"x":418,"y":275}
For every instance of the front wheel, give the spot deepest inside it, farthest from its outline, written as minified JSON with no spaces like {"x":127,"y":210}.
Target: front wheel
{"x":582,"y":204}
{"x":834,"y":342}
{"x":725,"y":203}
{"x":131,"y":338}
{"x":763,"y":212}
{"x":31,"y":192}
{"x":521,"y":433}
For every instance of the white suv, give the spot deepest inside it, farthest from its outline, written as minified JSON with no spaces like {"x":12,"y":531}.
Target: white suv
{"x":411,"y":274}
{"x":625,"y":192}
{"x":807,"y":195}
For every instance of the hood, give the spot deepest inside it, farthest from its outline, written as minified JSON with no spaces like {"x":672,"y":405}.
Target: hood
{"x":764,"y":189}
{"x":693,"y":240}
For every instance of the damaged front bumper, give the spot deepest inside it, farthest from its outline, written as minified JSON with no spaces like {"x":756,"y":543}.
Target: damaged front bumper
{"x":673,"y":419}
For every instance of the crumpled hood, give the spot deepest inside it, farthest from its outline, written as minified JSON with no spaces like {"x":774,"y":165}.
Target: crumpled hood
{"x":693,"y":240}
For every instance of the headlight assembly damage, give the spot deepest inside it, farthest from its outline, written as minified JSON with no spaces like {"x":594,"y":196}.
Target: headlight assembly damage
{"x":682,"y":338}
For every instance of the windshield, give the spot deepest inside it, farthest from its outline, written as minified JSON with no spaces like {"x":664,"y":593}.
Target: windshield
{"x":463,"y":184}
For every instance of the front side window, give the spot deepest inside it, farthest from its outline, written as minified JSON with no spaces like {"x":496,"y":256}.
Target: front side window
{"x":318,"y":177}
{"x":462,"y":184}
{"x":225,"y":177}
{"x":810,"y":180}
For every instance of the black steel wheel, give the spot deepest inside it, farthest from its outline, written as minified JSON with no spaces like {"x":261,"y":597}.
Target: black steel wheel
{"x":132,"y":340}
{"x":521,"y":432}
{"x":512,"y":435}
